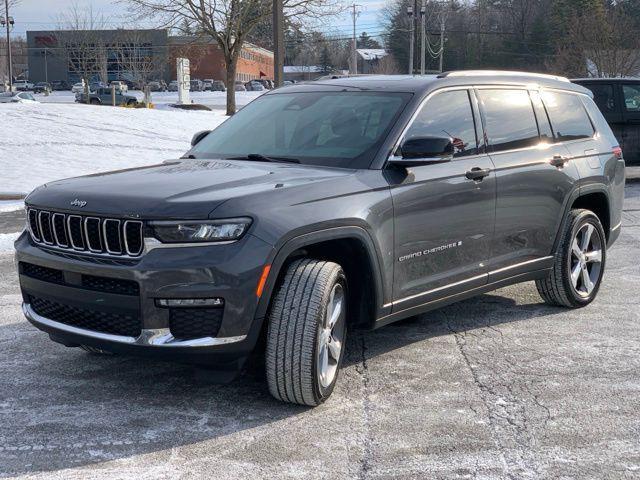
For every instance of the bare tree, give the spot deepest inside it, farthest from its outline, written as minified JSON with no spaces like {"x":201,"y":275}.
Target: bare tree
{"x":136,"y":59}
{"x":387,"y":65}
{"x":82,"y":45}
{"x":228,"y":22}
{"x":595,"y":47}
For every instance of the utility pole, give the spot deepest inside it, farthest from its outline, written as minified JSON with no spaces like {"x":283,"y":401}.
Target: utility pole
{"x":8,"y":21}
{"x":410,"y":12}
{"x":441,"y":41}
{"x":278,"y":42}
{"x":355,"y":14}
{"x":423,"y":14}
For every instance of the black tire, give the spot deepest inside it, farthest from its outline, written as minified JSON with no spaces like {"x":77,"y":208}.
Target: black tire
{"x":296,"y":332}
{"x":558,"y":288}
{"x":94,"y":101}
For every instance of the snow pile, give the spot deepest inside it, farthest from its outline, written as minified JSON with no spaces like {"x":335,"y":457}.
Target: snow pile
{"x":6,"y":242}
{"x":10,"y":205}
{"x":44,"y":142}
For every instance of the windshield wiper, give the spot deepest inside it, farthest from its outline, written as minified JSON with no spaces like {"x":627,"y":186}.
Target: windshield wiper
{"x":257,"y":157}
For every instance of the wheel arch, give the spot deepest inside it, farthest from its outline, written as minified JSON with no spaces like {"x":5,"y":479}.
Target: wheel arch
{"x":593,"y":197}
{"x":351,"y":247}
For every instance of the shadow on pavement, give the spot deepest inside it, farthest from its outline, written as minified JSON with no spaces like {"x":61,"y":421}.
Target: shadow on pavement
{"x":63,"y":408}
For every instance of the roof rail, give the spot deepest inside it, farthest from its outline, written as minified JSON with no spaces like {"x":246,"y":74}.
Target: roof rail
{"x":480,"y":73}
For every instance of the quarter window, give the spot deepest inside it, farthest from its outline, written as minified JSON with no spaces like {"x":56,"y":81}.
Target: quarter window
{"x":631,"y":97}
{"x":603,"y":96}
{"x":568,"y":117}
{"x":448,"y":114}
{"x":510,"y":121}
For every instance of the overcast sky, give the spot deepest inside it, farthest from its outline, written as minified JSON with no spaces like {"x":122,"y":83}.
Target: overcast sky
{"x":44,"y":15}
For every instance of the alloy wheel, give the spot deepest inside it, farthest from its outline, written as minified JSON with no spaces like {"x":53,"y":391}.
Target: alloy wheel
{"x":331,"y":337}
{"x":585,"y":262}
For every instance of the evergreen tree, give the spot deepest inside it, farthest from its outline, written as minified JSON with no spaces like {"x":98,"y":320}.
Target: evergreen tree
{"x":365,"y":41}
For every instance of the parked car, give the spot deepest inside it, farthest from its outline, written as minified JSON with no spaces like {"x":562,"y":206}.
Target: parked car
{"x":60,"y":85}
{"x":173,"y":86}
{"x":254,"y":86}
{"x":120,"y":85}
{"x":95,"y":86}
{"x":619,"y":102}
{"x":17,"y":97}
{"x":393,"y":196}
{"x":239,"y":87}
{"x":103,"y":96}
{"x":207,"y":84}
{"x":77,"y":88}
{"x":157,"y":86}
{"x":218,"y":86}
{"x":23,"y":85}
{"x":196,"y":85}
{"x":42,"y":87}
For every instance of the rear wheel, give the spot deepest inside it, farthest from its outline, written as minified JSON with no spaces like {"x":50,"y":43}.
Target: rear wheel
{"x":579,"y":263}
{"x":306,"y":332}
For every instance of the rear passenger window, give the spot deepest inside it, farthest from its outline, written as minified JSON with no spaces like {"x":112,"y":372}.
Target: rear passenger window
{"x":603,"y":96}
{"x":569,"y":119}
{"x":448,"y":114}
{"x":510,"y":121}
{"x":631,"y":97}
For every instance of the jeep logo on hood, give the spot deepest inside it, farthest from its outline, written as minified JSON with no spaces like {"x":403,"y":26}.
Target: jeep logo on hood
{"x":78,"y":203}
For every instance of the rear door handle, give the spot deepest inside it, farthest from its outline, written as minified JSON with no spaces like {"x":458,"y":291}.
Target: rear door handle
{"x":477,"y":173}
{"x":559,"y":161}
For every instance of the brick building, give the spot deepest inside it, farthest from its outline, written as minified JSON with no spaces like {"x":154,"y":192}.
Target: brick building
{"x":207,"y":61}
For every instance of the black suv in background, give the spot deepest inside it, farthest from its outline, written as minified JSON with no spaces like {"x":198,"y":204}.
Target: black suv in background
{"x":353,"y":202}
{"x":619,"y":102}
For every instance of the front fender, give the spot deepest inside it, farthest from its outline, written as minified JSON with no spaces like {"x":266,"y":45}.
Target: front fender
{"x":288,"y":246}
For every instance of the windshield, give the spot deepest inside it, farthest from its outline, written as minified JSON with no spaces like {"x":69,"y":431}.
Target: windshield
{"x":338,"y":129}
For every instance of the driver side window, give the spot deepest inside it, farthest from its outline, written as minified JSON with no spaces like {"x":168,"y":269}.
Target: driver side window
{"x":448,"y":114}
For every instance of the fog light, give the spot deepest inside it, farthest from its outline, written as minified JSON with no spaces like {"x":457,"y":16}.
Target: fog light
{"x":189,"y":302}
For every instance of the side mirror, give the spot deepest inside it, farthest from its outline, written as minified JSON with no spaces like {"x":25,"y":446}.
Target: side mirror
{"x":424,"y":150}
{"x":197,"y":138}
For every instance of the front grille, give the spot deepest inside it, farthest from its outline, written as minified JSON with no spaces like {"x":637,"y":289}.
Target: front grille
{"x":44,"y":274}
{"x":88,"y":234}
{"x":87,"y":282}
{"x":189,"y":323}
{"x":90,"y":319}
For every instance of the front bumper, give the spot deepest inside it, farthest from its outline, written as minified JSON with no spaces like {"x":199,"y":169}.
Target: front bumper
{"x":228,"y":271}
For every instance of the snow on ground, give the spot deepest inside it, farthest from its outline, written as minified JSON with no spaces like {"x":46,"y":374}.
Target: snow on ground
{"x":214,"y":100}
{"x":48,"y":141}
{"x":10,"y":205}
{"x":6,"y":242}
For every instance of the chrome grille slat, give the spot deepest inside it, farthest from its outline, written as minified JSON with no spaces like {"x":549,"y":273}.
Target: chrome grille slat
{"x":55,"y":227}
{"x":94,"y":242}
{"x":96,"y":236}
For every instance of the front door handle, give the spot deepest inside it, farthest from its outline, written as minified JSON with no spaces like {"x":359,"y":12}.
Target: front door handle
{"x":559,"y":161}
{"x":477,"y":173}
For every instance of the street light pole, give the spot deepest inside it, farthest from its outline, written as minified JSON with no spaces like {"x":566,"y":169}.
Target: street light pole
{"x":423,"y":36}
{"x":410,"y":12}
{"x":46,"y":67}
{"x":8,"y":21}
{"x":278,"y":42}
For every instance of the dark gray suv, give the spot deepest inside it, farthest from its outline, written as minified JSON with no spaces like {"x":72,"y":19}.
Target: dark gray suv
{"x":325,"y":206}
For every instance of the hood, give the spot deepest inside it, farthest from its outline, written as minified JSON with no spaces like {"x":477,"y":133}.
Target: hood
{"x":175,"y":189}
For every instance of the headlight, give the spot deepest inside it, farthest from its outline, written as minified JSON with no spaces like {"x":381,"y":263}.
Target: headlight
{"x":200,"y":231}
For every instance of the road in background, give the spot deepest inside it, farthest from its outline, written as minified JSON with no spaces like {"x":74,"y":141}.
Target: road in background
{"x":497,"y":387}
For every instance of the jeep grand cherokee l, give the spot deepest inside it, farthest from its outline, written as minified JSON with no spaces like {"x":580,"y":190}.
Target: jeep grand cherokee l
{"x":324,"y":206}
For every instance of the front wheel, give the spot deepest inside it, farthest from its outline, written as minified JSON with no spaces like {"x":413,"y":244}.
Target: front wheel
{"x":306,"y":332}
{"x":579,"y":262}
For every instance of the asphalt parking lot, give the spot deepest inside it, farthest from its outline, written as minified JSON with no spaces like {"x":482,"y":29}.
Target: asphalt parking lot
{"x":500,"y":386}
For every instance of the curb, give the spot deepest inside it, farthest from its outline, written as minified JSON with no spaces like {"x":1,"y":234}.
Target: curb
{"x":12,"y":196}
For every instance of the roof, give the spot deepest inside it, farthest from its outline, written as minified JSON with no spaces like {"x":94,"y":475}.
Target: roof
{"x":302,"y":69}
{"x":424,"y":83}
{"x":606,"y":80}
{"x":370,"y":54}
